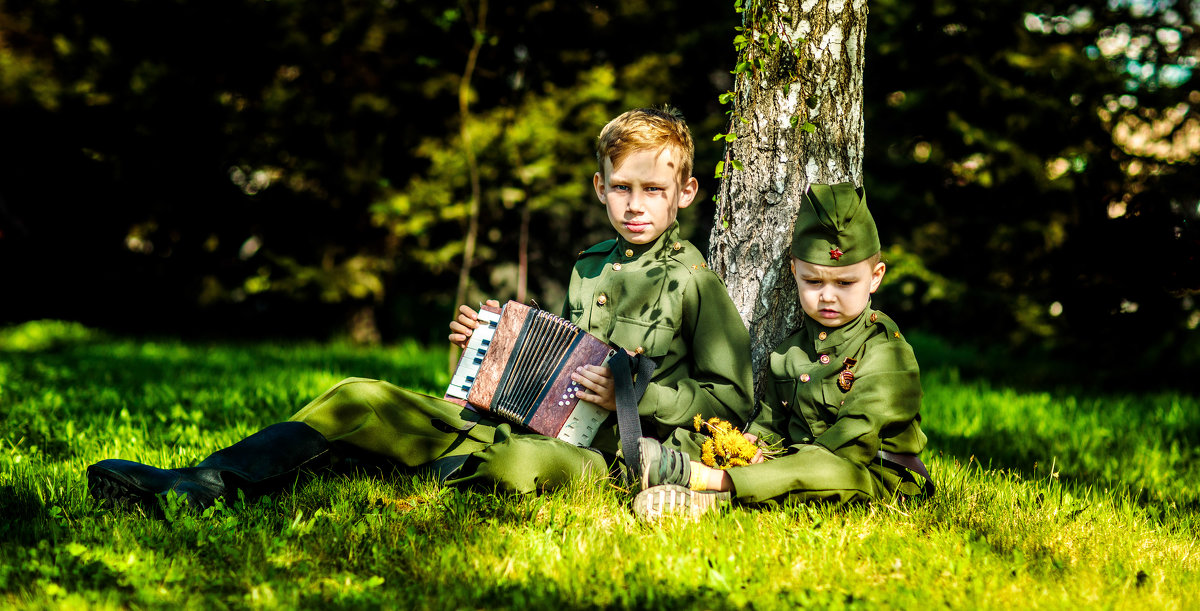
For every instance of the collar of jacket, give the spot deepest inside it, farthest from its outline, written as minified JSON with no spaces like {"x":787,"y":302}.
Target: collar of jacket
{"x":664,"y":242}
{"x":836,"y":336}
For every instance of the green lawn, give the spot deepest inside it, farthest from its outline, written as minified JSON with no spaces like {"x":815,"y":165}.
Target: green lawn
{"x":1054,"y":498}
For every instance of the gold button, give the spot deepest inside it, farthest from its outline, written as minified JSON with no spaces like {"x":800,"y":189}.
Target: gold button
{"x":822,"y":335}
{"x":874,"y":317}
{"x":677,"y":246}
{"x":617,"y":266}
{"x":824,"y":359}
{"x":640,"y":350}
{"x":628,"y":252}
{"x":602,"y":299}
{"x":804,"y":377}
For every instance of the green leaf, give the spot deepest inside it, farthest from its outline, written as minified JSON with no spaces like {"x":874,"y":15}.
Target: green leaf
{"x":720,"y":173}
{"x":730,"y":137}
{"x":793,"y":120}
{"x":808,"y":127}
{"x":737,"y":165}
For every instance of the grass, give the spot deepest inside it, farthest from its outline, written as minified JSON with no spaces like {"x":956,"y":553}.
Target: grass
{"x":1049,"y":498}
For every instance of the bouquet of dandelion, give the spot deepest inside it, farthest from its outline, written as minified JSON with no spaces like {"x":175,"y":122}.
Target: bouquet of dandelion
{"x":727,"y":446}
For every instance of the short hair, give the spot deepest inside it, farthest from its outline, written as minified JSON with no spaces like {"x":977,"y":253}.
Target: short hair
{"x":646,"y":129}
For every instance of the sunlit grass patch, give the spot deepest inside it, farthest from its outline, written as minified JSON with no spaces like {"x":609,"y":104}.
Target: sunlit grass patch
{"x":1047,"y":498}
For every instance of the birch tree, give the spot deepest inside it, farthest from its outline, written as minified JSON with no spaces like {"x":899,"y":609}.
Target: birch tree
{"x":796,"y":117}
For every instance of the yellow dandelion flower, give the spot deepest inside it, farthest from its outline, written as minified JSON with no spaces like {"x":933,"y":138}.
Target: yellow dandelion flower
{"x":726,"y":446}
{"x":707,"y":453}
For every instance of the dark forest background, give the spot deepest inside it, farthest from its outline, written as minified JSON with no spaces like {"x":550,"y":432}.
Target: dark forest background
{"x":282,"y":168}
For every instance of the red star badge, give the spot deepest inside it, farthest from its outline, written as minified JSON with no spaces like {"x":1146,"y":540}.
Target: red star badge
{"x":835,"y":253}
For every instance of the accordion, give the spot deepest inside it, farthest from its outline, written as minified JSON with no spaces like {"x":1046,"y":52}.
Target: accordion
{"x":517,"y":366}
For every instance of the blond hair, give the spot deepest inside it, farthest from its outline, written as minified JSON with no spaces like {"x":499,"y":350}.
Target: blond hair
{"x":646,"y":129}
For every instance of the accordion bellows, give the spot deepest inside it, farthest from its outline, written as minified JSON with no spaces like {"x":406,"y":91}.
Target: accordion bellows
{"x":518,"y":365}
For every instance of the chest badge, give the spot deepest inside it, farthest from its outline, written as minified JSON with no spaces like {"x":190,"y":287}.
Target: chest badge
{"x":845,"y":378}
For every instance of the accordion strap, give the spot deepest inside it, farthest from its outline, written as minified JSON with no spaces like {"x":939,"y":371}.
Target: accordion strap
{"x":629,"y":390}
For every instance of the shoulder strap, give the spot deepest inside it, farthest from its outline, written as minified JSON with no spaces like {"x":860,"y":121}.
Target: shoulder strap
{"x":631,"y":376}
{"x":914,"y":464}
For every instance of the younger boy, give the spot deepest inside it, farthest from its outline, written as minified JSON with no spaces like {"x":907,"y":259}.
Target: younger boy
{"x":645,"y":291}
{"x":843,"y":392}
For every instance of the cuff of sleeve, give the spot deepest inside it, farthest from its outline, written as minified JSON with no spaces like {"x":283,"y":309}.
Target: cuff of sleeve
{"x":648,"y":406}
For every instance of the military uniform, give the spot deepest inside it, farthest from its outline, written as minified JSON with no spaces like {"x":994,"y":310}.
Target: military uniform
{"x":843,"y":400}
{"x":833,"y":425}
{"x":658,"y":299}
{"x":838,"y":396}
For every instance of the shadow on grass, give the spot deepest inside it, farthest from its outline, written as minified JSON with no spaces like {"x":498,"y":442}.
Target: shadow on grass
{"x":166,"y":386}
{"x":1033,"y":369}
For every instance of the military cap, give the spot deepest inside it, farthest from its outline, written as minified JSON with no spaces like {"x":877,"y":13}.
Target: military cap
{"x":834,"y":226}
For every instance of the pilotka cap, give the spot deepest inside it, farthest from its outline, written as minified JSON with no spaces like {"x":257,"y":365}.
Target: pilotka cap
{"x":834,"y":226}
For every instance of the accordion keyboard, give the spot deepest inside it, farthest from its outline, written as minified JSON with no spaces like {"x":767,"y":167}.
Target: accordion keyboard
{"x":472,"y":357}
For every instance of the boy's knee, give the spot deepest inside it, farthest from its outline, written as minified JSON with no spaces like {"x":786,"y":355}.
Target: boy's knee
{"x":524,"y":464}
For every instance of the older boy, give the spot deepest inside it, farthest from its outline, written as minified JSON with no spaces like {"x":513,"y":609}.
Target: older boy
{"x":843,"y":392}
{"x":645,"y":291}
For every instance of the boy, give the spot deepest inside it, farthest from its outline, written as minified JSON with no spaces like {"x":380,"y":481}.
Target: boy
{"x":843,"y":392}
{"x":645,"y":291}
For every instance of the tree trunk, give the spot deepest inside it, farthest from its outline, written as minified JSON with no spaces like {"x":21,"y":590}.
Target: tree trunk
{"x":798,"y":119}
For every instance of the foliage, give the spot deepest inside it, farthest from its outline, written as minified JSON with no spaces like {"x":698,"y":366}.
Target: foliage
{"x":1047,"y":498}
{"x":1038,"y":161}
{"x":1032,"y":164}
{"x":537,"y":157}
{"x":261,"y":179}
{"x":40,"y":335}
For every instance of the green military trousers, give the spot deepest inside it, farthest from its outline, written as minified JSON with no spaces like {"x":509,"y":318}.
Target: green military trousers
{"x":814,"y":474}
{"x":415,"y":430}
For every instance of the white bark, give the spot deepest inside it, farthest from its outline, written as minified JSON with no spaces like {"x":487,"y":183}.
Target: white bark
{"x":751,"y":238}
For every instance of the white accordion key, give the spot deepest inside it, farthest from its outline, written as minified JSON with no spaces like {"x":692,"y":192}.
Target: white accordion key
{"x":472,"y":356}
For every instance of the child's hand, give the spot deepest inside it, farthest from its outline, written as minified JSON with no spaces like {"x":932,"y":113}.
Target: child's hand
{"x":758,"y":456}
{"x":598,"y":380}
{"x":468,"y":319}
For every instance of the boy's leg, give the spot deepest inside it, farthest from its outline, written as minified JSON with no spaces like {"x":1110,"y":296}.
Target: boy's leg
{"x":373,"y":416}
{"x":391,"y":422}
{"x":258,"y":464}
{"x":524,"y":463}
{"x":811,"y":474}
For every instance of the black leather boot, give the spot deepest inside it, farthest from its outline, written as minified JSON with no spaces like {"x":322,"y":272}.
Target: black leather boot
{"x":259,"y":464}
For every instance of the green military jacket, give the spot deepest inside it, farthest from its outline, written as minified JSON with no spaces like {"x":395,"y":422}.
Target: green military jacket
{"x":808,"y":399}
{"x":661,"y":299}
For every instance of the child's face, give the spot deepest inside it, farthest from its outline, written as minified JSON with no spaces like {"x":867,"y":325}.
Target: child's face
{"x":834,"y":296}
{"x":643,"y":195}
